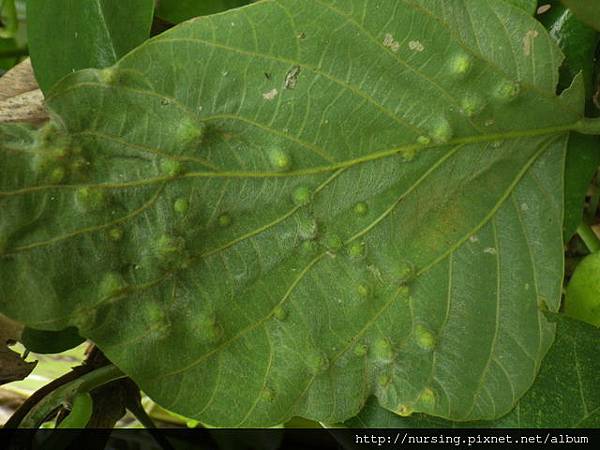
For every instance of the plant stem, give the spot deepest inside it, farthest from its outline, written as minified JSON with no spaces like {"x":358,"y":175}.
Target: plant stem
{"x":588,"y":126}
{"x":589,"y":238}
{"x":54,"y":399}
{"x":14,"y":53}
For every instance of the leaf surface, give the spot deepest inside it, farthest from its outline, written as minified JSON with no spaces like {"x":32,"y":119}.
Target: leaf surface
{"x":284,"y":209}
{"x":68,"y":35}
{"x":563,"y":396}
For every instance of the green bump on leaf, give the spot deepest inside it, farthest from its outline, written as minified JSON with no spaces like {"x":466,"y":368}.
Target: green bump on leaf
{"x":405,"y":272}
{"x":190,"y":132}
{"x":403,"y":291}
{"x":225,"y":220}
{"x":441,"y":130}
{"x":460,"y":65}
{"x":109,"y":76}
{"x":423,"y":140}
{"x":57,"y":175}
{"x":301,"y":196}
{"x":363,"y":290}
{"x":168,"y":245}
{"x":382,"y":350}
{"x":384,"y":380}
{"x":404,"y":410}
{"x":171,"y":167}
{"x":209,"y":329}
{"x":115,"y":234}
{"x":356,"y":250}
{"x":333,"y":242}
{"x":91,"y":198}
{"x":507,"y":91}
{"x":155,"y":314}
{"x":181,"y":206}
{"x":424,"y":337}
{"x":279,"y":313}
{"x":361,"y":350}
{"x":427,"y":398}
{"x":317,"y":362}
{"x":361,"y":208}
{"x":280,"y":160}
{"x":472,"y":104}
{"x":267,"y":394}
{"x":112,"y":284}
{"x":308,"y":228}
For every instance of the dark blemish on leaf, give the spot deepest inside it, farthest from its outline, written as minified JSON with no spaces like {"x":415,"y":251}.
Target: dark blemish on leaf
{"x":301,"y":35}
{"x":268,"y":75}
{"x":291,"y":78}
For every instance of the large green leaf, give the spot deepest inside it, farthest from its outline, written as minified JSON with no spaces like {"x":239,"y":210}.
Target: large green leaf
{"x":68,"y":35}
{"x":284,"y":209}
{"x":582,"y":161}
{"x":179,"y":10}
{"x":564,"y":395}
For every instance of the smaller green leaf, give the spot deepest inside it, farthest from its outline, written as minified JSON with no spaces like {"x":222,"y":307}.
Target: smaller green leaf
{"x":69,"y":35}
{"x":179,"y":10}
{"x":564,"y":394}
{"x":9,"y":22}
{"x":582,"y":300}
{"x":588,"y":11}
{"x":582,"y":161}
{"x":8,"y":52}
{"x":44,"y":342}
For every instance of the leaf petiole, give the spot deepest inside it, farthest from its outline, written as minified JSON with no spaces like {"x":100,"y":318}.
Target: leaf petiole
{"x":589,"y":238}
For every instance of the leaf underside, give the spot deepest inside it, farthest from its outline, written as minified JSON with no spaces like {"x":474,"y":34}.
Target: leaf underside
{"x":284,"y":209}
{"x":563,"y":396}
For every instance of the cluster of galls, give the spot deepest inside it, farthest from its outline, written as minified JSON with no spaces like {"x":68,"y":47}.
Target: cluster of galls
{"x":57,"y":159}
{"x":472,"y":104}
